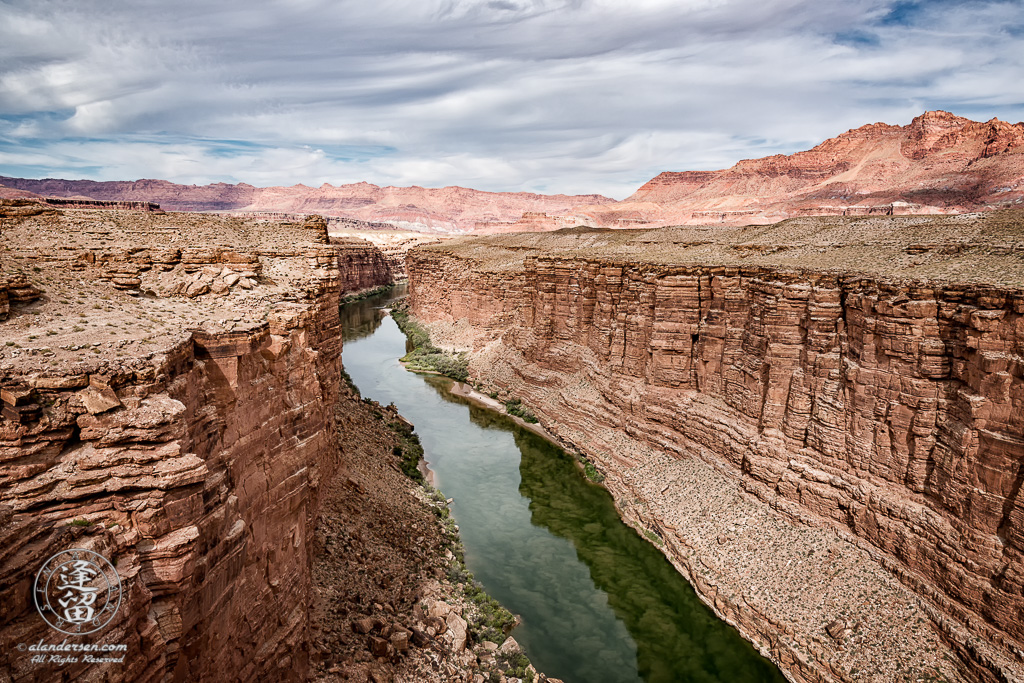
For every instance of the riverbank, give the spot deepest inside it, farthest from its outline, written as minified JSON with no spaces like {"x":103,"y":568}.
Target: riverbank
{"x":424,"y":356}
{"x":468,"y":392}
{"x":395,"y":601}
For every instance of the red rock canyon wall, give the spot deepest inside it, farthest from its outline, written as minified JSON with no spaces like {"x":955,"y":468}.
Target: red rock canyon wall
{"x":891,"y":409}
{"x":195,"y":468}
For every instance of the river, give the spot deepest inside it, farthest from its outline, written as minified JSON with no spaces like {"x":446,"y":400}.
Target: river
{"x":599,"y":603}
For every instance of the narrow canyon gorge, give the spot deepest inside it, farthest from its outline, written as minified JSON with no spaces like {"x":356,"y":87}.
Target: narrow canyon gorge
{"x":822,"y":421}
{"x":173,"y":399}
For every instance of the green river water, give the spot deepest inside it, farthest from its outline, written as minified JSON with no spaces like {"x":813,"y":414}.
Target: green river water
{"x":599,"y":603}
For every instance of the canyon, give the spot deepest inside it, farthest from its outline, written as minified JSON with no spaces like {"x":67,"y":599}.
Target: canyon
{"x":822,"y":420}
{"x":173,"y":399}
{"x":939,"y":163}
{"x":801,"y":377}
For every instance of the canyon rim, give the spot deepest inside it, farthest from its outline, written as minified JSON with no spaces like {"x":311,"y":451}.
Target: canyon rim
{"x":820,"y":419}
{"x":801,"y":378}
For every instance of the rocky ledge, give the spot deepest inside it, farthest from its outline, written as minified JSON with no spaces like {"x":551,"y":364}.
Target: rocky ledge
{"x":821,"y":420}
{"x":168,"y":386}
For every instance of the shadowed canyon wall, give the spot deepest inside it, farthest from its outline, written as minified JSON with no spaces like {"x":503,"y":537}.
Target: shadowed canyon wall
{"x":890,"y":408}
{"x":189,"y":449}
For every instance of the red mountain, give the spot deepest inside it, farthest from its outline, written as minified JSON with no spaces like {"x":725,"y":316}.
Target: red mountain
{"x":445,"y":209}
{"x":940,"y":163}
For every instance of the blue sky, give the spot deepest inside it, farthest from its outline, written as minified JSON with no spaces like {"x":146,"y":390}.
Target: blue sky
{"x":567,"y":96}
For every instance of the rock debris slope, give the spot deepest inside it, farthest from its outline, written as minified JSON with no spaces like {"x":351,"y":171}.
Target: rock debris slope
{"x":823,"y":419}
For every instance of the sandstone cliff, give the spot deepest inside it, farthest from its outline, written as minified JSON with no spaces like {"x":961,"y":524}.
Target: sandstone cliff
{"x":862,"y":378}
{"x":168,"y":387}
{"x":69,"y":203}
{"x":939,"y":163}
{"x":392,"y":243}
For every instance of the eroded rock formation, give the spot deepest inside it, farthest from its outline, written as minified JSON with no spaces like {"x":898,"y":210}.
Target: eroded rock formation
{"x":393,"y":244}
{"x":447,"y":209}
{"x":168,"y":387}
{"x":72,"y":203}
{"x":939,"y":163}
{"x":853,"y":377}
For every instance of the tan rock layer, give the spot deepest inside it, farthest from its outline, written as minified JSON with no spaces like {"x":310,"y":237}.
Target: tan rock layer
{"x":14,"y":290}
{"x":894,"y":411}
{"x":66,"y":203}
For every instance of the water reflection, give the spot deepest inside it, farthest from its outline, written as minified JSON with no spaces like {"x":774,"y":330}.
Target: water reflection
{"x":599,"y":604}
{"x":360,"y":319}
{"x":677,"y":637}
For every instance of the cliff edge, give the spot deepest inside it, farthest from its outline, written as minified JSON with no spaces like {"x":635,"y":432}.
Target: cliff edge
{"x":822,"y":420}
{"x":938,"y":163}
{"x":168,"y":387}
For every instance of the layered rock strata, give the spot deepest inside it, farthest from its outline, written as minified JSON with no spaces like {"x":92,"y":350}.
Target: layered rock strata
{"x":74,"y":203}
{"x":938,"y":163}
{"x":826,"y":373}
{"x":392,"y":243}
{"x":446,"y":209}
{"x":168,"y":402}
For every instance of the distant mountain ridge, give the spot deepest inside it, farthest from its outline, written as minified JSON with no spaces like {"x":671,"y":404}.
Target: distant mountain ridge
{"x":939,"y":163}
{"x":448,"y":209}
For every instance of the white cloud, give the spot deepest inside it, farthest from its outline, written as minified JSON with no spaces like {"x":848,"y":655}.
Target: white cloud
{"x":554,"y":95}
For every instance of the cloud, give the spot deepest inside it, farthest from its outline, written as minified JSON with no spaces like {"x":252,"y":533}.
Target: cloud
{"x":544,"y":95}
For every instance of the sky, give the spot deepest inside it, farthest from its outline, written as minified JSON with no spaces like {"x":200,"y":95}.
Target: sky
{"x":551,"y":96}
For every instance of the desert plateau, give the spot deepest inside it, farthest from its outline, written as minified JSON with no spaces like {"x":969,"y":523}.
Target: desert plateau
{"x":844,"y":392}
{"x":508,"y":341}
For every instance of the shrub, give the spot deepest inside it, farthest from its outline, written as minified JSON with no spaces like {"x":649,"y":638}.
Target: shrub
{"x":487,"y":619}
{"x":515,"y":407}
{"x":344,"y":375}
{"x":517,"y":665}
{"x":592,"y":472}
{"x":424,"y":355}
{"x":410,"y":450}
